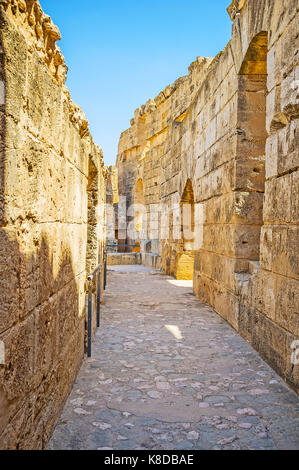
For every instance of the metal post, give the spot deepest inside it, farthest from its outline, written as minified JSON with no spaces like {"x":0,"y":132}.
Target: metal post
{"x":99,"y":299}
{"x":105,"y":271}
{"x":89,"y":318}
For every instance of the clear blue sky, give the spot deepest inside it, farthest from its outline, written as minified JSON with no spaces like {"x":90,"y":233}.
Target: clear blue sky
{"x":120,"y":53}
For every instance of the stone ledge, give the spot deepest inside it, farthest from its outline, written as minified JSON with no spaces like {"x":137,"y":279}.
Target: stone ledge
{"x":151,"y":260}
{"x":120,"y":259}
{"x":235,"y":8}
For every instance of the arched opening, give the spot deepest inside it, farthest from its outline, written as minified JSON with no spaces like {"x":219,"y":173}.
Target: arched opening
{"x":139,"y":193}
{"x":185,"y":266}
{"x":251,"y":147}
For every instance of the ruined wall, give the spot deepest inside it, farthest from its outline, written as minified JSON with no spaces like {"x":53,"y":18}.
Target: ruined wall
{"x":269,"y":307}
{"x":229,"y":132}
{"x":51,"y":187}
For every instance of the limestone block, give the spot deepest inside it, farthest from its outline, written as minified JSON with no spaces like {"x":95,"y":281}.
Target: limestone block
{"x":45,"y":341}
{"x":17,"y":375}
{"x":246,"y":318}
{"x":251,"y":107}
{"x":247,"y":207}
{"x":17,"y":426}
{"x":294,"y":197}
{"x":288,"y":147}
{"x":223,"y":301}
{"x":277,"y":204}
{"x":270,"y":341}
{"x":15,"y":75}
{"x":219,"y":267}
{"x":282,"y":150}
{"x":233,"y":240}
{"x":203,"y":288}
{"x":36,"y":279}
{"x":2,"y":93}
{"x":278,"y":17}
{"x":224,"y":120}
{"x":274,"y":59}
{"x":242,"y":207}
{"x":229,"y":87}
{"x":279,"y":248}
{"x":227,"y":305}
{"x":290,"y":46}
{"x":293,"y":252}
{"x":272,"y":156}
{"x":276,"y":118}
{"x":117,"y":259}
{"x":286,"y":308}
{"x":290,"y":95}
{"x":9,"y":280}
{"x":210,"y":134}
{"x":291,"y":369}
{"x":250,"y":174}
{"x":263,"y":293}
{"x":217,"y":182}
{"x":266,"y":247}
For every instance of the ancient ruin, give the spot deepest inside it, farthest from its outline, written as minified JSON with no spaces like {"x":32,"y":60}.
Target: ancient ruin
{"x":224,"y":138}
{"x":221,"y":141}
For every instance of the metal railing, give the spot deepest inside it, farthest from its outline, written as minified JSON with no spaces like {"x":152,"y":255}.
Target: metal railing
{"x":105,"y":269}
{"x":90,"y":279}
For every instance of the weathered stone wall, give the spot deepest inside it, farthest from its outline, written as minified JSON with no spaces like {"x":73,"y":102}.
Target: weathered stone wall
{"x":125,"y":259}
{"x":225,"y":138}
{"x":52,"y":184}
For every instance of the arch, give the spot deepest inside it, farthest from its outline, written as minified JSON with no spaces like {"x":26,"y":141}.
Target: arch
{"x":185,"y":264}
{"x":255,"y":60}
{"x":187,"y":216}
{"x":251,"y":145}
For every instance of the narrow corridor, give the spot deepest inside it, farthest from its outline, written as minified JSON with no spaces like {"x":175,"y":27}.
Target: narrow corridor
{"x":168,"y":373}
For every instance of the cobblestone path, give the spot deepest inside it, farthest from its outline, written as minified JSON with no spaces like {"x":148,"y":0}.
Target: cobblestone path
{"x":168,"y":373}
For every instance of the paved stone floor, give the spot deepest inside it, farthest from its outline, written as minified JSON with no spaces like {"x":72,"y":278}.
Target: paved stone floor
{"x":168,"y":373}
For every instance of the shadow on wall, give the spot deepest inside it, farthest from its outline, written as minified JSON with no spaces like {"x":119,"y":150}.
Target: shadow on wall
{"x":42,"y":328}
{"x":42,"y":325}
{"x":2,"y":127}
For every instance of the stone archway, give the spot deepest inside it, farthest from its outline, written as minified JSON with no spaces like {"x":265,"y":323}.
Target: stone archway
{"x":251,"y":145}
{"x":185,"y":264}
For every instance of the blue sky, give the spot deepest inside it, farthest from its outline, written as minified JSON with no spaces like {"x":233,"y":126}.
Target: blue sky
{"x":120,"y":53}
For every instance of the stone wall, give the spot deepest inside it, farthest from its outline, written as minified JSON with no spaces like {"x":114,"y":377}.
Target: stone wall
{"x":123,"y":259}
{"x":52,"y":184}
{"x":224,"y":138}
